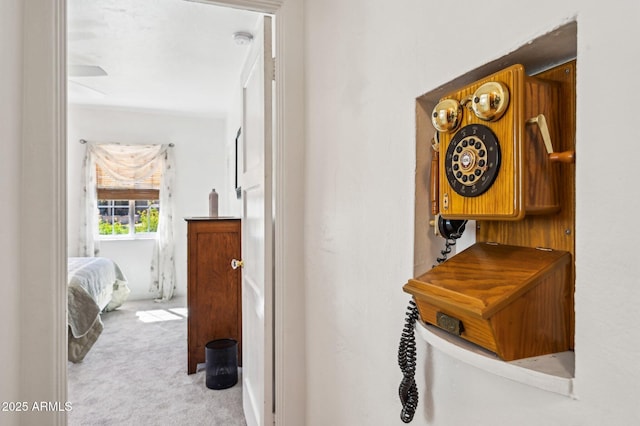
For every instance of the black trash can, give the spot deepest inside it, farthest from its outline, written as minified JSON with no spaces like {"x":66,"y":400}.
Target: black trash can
{"x":221,"y":357}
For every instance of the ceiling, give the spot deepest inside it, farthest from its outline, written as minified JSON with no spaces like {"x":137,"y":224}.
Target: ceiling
{"x":171,"y":55}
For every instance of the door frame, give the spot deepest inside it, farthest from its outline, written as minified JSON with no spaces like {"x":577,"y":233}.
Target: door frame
{"x":45,"y":67}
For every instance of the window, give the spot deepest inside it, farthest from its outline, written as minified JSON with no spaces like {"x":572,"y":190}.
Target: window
{"x":127,"y":208}
{"x":117,"y":216}
{"x":122,"y":192}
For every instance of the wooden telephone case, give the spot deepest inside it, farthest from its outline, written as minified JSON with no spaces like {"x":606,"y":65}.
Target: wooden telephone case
{"x":504,"y":157}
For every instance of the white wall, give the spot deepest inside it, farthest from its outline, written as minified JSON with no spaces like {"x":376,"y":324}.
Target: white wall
{"x":200,"y":154}
{"x":366,"y":62}
{"x":10,"y":111}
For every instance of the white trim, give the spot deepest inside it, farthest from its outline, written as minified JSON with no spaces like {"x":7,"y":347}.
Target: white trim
{"x":264,"y":6}
{"x":43,"y":349}
{"x":60,"y":196}
{"x":289,"y":296}
{"x":552,"y":373}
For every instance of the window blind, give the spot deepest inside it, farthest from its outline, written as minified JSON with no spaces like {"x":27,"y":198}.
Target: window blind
{"x":111,"y":189}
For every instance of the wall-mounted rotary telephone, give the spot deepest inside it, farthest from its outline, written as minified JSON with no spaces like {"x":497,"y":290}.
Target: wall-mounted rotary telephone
{"x":494,"y":144}
{"x":497,"y":157}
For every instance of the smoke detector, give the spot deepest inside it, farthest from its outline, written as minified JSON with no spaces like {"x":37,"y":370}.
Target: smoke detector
{"x":242,"y":38}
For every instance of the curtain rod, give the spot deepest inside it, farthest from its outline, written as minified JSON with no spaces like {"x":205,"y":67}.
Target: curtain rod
{"x":83,"y":141}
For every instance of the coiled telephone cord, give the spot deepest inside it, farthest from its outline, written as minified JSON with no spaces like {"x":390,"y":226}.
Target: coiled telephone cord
{"x":407,"y":360}
{"x":408,"y":390}
{"x":451,"y":230}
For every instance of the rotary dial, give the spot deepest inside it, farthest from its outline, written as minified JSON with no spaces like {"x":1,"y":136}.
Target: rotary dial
{"x":472,"y":160}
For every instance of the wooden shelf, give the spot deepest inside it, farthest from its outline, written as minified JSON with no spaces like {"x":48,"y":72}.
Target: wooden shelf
{"x":552,"y":373}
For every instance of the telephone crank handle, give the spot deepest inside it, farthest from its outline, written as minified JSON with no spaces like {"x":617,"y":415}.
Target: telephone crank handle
{"x":556,"y":157}
{"x":563,"y":157}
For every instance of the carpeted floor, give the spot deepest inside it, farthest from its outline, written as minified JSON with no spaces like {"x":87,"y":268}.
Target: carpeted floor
{"x":136,"y":374}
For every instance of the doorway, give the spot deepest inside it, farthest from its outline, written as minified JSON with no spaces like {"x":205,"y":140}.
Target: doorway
{"x":138,"y":75}
{"x":46,"y":105}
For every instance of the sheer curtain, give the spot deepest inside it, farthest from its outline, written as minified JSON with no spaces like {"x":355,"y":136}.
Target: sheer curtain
{"x":163,"y":266}
{"x":126,"y":164}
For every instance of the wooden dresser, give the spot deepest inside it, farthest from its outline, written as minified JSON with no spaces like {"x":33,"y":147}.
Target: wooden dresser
{"x":214,"y":298}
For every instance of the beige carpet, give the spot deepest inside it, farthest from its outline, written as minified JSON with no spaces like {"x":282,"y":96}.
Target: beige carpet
{"x":136,"y":374}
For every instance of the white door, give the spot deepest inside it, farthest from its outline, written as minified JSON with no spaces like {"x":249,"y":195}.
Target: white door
{"x":257,"y":231}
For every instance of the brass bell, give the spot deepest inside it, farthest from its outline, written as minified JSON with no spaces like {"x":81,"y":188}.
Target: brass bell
{"x":490,"y":101}
{"x":447,"y":115}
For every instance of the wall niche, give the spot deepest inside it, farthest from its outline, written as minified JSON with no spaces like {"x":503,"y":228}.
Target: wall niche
{"x":550,"y":57}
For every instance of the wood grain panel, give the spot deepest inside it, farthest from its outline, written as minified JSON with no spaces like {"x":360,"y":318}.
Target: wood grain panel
{"x":511,"y":300}
{"x":502,"y":200}
{"x":526,"y":180}
{"x":486,"y":277}
{"x":213,"y":289}
{"x":556,"y":231}
{"x":476,"y":330}
{"x":535,"y":323}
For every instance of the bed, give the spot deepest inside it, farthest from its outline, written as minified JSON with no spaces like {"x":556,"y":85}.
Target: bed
{"x":95,"y":284}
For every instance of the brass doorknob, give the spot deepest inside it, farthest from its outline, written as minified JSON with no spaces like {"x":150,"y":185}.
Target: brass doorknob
{"x":235,"y":263}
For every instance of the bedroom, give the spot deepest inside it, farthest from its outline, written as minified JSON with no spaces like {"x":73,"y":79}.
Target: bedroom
{"x":164,"y":83}
{"x":197,"y":115}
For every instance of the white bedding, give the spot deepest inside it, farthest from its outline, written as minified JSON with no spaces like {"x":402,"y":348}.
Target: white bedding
{"x":95,"y":284}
